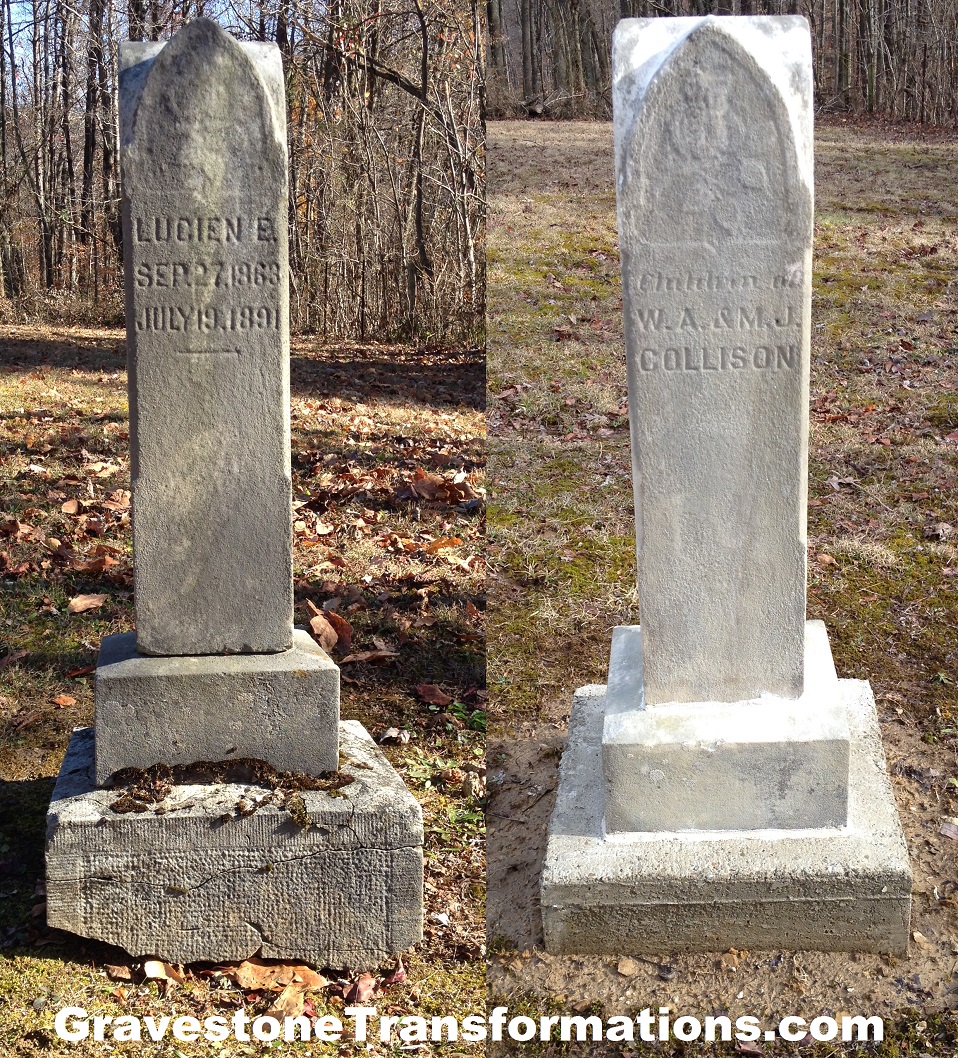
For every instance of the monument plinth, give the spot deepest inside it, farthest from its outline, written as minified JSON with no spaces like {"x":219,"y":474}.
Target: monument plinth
{"x":744,"y":800}
{"x":215,"y":674}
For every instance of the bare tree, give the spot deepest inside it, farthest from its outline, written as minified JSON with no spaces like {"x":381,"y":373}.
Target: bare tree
{"x":386,"y":143}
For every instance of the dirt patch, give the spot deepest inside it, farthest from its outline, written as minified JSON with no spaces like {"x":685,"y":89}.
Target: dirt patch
{"x":522,"y":779}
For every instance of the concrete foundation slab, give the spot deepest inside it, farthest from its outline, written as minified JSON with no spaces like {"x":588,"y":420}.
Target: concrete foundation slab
{"x":282,"y":708}
{"x":837,"y":889}
{"x":767,"y":762}
{"x":221,"y":872}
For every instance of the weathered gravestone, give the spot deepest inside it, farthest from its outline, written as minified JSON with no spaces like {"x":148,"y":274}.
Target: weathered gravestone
{"x":215,"y":671}
{"x":744,"y":799}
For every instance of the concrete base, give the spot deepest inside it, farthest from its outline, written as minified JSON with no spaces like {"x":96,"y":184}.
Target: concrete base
{"x":840,"y":889}
{"x":194,"y":878}
{"x":281,"y":708}
{"x":751,"y":765}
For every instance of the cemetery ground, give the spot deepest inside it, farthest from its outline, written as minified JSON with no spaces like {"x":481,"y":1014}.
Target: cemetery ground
{"x":883,"y":551}
{"x":388,"y":448}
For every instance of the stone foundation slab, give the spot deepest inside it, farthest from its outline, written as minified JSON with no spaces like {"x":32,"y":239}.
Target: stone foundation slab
{"x":831,"y":889}
{"x":282,"y":708}
{"x":767,"y":762}
{"x":221,"y":872}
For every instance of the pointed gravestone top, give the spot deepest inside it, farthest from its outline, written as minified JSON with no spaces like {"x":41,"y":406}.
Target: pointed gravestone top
{"x":713,"y":157}
{"x":204,"y":212}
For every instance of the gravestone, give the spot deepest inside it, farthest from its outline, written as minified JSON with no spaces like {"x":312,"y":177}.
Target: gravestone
{"x":223,"y":864}
{"x":743,"y":797}
{"x":207,"y":287}
{"x":204,"y":223}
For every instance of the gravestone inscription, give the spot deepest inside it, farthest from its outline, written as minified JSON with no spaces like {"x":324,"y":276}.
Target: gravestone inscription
{"x":203,"y":141}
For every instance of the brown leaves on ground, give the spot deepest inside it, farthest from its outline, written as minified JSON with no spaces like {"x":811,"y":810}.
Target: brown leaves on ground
{"x":288,"y":982}
{"x":256,"y":974}
{"x":67,"y":548}
{"x":453,"y":488}
{"x":12,"y":658}
{"x":362,"y":989}
{"x":83,"y":603}
{"x":383,"y":652}
{"x":284,"y":985}
{"x":433,"y":695}
{"x":332,"y":632}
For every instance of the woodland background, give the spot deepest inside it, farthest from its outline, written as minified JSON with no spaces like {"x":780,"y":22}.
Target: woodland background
{"x":385,"y":104}
{"x":896,"y":58}
{"x":387,"y":101}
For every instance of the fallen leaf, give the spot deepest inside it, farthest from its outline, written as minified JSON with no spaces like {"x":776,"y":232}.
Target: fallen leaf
{"x":257,"y":974}
{"x":82,"y":603}
{"x":369,"y":655}
{"x":949,"y":827}
{"x":101,"y":469}
{"x":324,"y":632}
{"x":397,"y":976}
{"x":17,"y":655}
{"x":94,"y":565}
{"x":446,"y":541}
{"x":119,"y":973}
{"x":309,"y":978}
{"x":826,"y":560}
{"x":748,"y":1047}
{"x":64,"y":700}
{"x":24,"y":720}
{"x":362,"y":989}
{"x":393,"y":734}
{"x":343,"y":629}
{"x":289,"y":1003}
{"x":84,"y":670}
{"x":432,"y":695}
{"x":157,"y":970}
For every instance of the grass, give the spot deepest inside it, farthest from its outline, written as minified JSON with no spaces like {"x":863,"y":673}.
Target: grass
{"x":370,"y":427}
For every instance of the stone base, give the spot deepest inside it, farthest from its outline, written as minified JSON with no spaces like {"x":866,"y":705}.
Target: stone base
{"x":841,"y":889}
{"x":281,"y":708}
{"x":200,"y":877}
{"x":768,"y":762}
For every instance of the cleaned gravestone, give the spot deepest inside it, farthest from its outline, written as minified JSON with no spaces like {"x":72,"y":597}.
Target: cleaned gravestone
{"x":714,"y":182}
{"x":743,"y":798}
{"x":203,"y":144}
{"x":715,"y":212}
